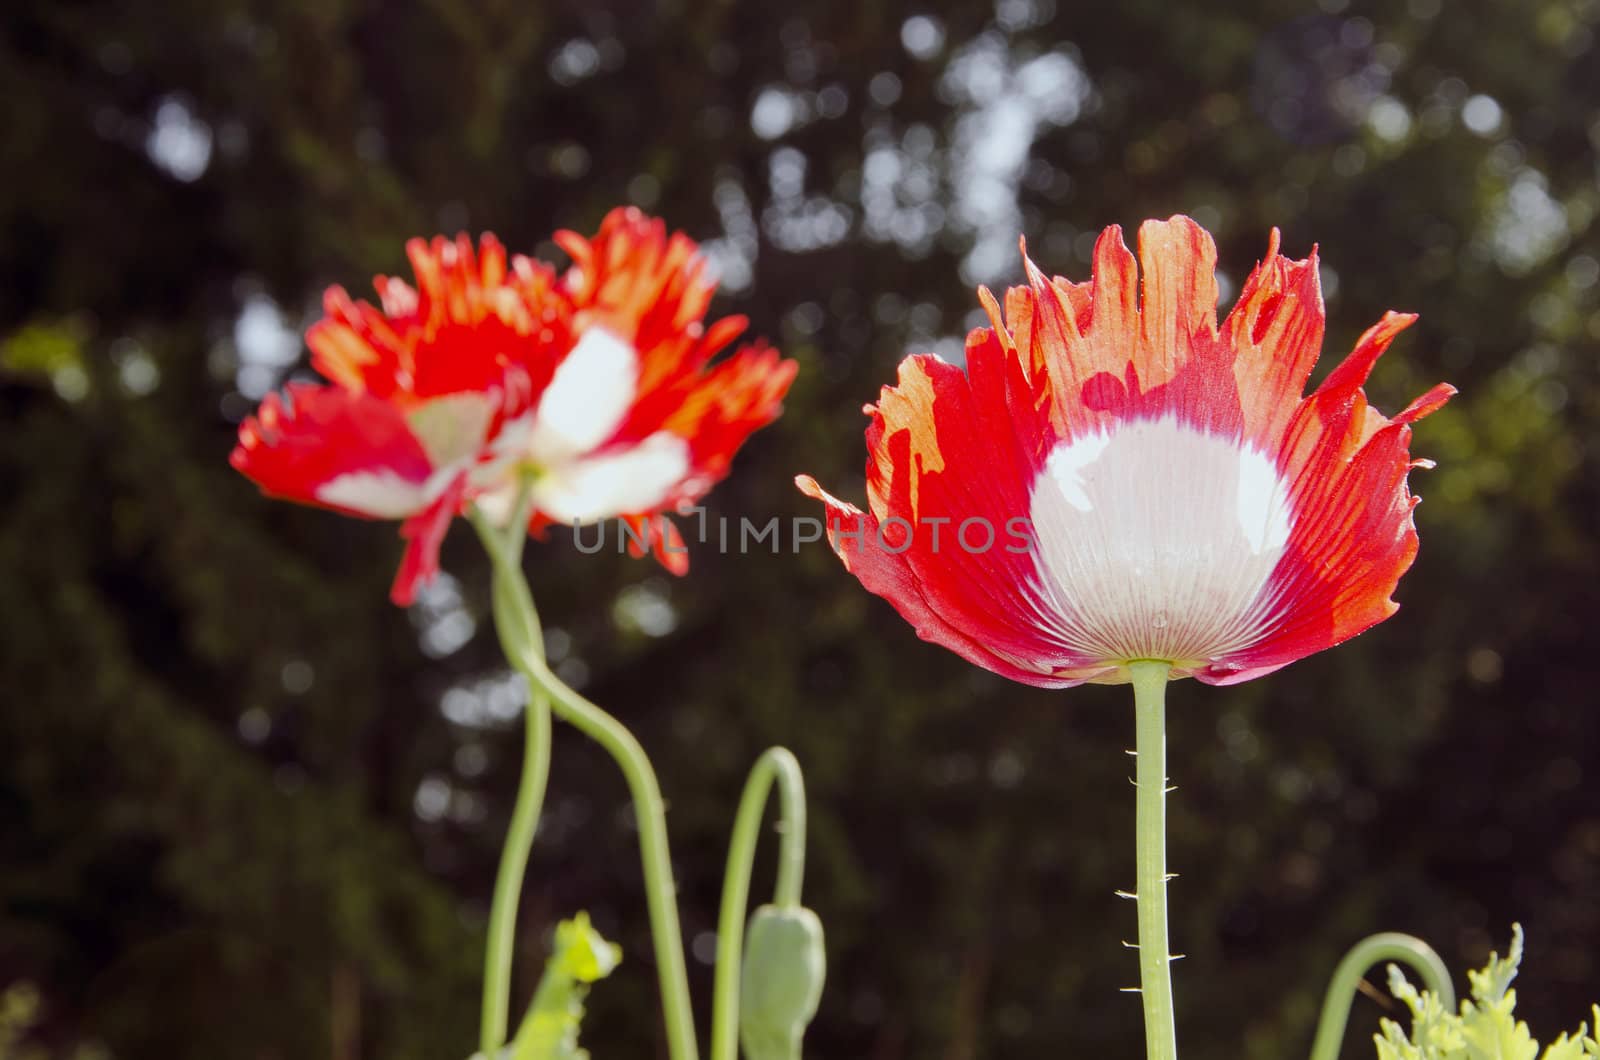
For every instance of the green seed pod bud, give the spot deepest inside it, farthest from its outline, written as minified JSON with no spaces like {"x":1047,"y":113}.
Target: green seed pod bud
{"x":781,"y":983}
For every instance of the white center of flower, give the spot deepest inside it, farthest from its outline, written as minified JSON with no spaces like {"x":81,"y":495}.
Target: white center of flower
{"x":582,"y":476}
{"x":1155,"y":540}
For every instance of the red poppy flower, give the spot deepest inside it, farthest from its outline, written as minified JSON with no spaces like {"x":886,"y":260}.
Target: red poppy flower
{"x":1115,"y":478}
{"x":596,"y":381}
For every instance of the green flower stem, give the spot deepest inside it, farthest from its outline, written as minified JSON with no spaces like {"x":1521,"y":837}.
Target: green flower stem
{"x":508,"y":880}
{"x":660,"y":891}
{"x":777,"y":764}
{"x":1389,"y":946}
{"x":1150,"y":826}
{"x":517,"y":624}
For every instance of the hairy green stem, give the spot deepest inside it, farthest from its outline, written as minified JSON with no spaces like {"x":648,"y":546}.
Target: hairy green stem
{"x":1389,"y":946}
{"x":517,"y":624}
{"x":1150,"y":827}
{"x":650,"y":811}
{"x":776,"y":764}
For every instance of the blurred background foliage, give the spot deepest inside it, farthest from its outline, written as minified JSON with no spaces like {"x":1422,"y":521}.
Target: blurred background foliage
{"x":247,"y":808}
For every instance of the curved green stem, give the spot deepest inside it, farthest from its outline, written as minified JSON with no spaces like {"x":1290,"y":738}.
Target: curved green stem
{"x":776,"y":764}
{"x":660,"y":891}
{"x":1389,"y":946}
{"x":516,"y":619}
{"x":1150,"y":826}
{"x":508,"y":880}
{"x":517,"y":624}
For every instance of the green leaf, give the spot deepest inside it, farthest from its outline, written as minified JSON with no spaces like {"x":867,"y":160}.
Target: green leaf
{"x":550,"y":1029}
{"x":1491,"y":984}
{"x":1486,"y":1027}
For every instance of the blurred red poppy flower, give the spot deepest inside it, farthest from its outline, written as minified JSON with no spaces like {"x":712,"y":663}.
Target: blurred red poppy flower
{"x":595,"y":381}
{"x":1116,"y":478}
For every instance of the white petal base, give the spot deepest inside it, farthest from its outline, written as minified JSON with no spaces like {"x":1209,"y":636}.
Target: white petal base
{"x":1156,"y":541}
{"x":382,"y":494}
{"x":628,"y":481}
{"x":587,"y":398}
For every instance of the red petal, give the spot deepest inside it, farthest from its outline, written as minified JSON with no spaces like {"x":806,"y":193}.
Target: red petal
{"x":948,"y":487}
{"x":1179,"y":309}
{"x":467,"y":324}
{"x":854,"y":535}
{"x":1353,"y":535}
{"x":1275,"y":335}
{"x":658,"y":535}
{"x":424,"y":534}
{"x":292,"y":449}
{"x":1352,"y":540}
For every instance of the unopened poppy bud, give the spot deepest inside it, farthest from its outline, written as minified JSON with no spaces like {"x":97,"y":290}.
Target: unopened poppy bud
{"x":781,"y":984}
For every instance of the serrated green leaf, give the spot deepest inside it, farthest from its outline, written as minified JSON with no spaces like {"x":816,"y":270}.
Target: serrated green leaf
{"x":1566,"y":1048}
{"x":550,"y":1029}
{"x":1491,"y":984}
{"x":1486,"y":1028}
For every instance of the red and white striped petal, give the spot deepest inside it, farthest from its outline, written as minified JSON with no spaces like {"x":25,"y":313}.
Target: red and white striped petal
{"x":338,"y":449}
{"x":424,"y":533}
{"x":1182,"y":502}
{"x":946,"y":538}
{"x":358,"y":454}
